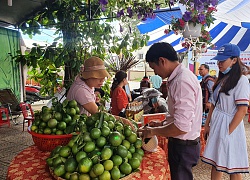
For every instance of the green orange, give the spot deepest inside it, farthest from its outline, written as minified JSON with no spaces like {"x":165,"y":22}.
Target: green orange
{"x":115,"y":173}
{"x":134,"y":163}
{"x":95,"y":133}
{"x":89,"y":146}
{"x":70,"y":164}
{"x":115,"y":138}
{"x":98,"y":169}
{"x":85,"y":165}
{"x":59,"y":170}
{"x":125,"y":168}
{"x":72,"y":103}
{"x":106,"y":153}
{"x":117,"y":160}
{"x":105,"y":176}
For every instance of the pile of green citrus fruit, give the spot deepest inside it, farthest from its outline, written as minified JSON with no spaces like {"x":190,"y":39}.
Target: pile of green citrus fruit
{"x":61,"y":118}
{"x":105,"y":149}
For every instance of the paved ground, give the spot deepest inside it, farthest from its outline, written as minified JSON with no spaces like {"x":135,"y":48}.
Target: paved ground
{"x":14,"y":140}
{"x":202,"y":171}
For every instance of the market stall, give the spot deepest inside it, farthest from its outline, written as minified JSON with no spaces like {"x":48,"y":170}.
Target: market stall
{"x":31,"y":164}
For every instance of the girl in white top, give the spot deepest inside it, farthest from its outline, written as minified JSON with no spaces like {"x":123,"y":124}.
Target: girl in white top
{"x":226,"y":148}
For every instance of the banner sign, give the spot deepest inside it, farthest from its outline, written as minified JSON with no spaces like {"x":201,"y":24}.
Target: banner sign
{"x":205,"y":58}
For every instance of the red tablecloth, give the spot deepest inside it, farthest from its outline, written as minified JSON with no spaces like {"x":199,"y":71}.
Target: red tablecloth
{"x":30,"y":164}
{"x":163,"y":142}
{"x":203,"y":141}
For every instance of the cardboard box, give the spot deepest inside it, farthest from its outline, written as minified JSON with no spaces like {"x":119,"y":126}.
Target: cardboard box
{"x":153,"y":117}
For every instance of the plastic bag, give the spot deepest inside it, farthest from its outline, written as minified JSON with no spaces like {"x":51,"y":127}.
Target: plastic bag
{"x":151,"y":92}
{"x":151,"y":145}
{"x":148,"y":106}
{"x":163,"y":106}
{"x":60,"y":95}
{"x":142,"y":99}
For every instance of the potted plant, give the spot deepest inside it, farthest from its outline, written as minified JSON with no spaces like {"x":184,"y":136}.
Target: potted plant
{"x":198,"y":14}
{"x":200,"y":43}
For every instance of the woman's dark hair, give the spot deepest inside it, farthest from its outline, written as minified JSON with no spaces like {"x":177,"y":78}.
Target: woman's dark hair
{"x":100,"y":91}
{"x":119,"y":76}
{"x":230,"y":79}
{"x":244,"y":68}
{"x":161,"y":49}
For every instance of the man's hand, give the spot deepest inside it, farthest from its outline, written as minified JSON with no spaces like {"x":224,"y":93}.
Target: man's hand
{"x":145,"y":132}
{"x":155,"y":123}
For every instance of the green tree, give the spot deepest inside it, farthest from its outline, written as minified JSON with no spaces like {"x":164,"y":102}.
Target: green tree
{"x":86,"y":29}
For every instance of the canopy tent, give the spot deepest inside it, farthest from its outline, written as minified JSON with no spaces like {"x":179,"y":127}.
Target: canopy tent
{"x":221,"y":31}
{"x":155,"y":28}
{"x":234,"y":12}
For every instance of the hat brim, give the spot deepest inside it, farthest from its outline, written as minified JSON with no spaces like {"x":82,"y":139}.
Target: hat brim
{"x":95,"y":74}
{"x":220,"y":57}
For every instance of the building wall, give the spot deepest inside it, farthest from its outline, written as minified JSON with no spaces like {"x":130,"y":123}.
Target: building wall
{"x":10,"y":75}
{"x":138,"y":75}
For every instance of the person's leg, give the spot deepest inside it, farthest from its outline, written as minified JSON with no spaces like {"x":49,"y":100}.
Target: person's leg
{"x":236,"y":176}
{"x":215,"y":175}
{"x":181,"y":160}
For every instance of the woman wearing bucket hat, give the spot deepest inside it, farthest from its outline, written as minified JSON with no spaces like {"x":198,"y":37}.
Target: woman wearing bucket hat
{"x":91,"y":76}
{"x":226,"y":148}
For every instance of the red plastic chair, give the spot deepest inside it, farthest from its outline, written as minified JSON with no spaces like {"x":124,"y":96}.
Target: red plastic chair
{"x":7,"y":120}
{"x":28,"y":114}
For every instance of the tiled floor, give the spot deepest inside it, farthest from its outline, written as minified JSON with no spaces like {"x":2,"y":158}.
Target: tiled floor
{"x":13,"y":140}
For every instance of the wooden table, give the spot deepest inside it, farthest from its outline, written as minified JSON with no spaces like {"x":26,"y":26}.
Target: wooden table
{"x":30,"y":164}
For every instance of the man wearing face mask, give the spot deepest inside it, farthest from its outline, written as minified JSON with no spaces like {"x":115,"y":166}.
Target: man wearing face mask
{"x":226,"y":148}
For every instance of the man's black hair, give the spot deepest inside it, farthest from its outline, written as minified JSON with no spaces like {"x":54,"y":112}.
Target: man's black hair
{"x":205,"y":66}
{"x":161,"y":49}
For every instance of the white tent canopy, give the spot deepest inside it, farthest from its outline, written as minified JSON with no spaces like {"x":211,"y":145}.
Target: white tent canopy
{"x":234,"y":12}
{"x":227,"y":28}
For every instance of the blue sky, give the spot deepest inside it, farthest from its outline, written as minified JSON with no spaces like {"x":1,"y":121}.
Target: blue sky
{"x":45,"y":36}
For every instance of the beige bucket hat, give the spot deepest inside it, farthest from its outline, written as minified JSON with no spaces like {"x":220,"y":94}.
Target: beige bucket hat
{"x":93,"y":68}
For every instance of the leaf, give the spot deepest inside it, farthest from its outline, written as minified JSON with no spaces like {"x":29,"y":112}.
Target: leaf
{"x":33,"y":51}
{"x":70,"y":129}
{"x":34,"y":61}
{"x":46,"y":55}
{"x":142,"y":43}
{"x":73,"y":64}
{"x":60,"y":15}
{"x":126,"y":37}
{"x":39,"y":52}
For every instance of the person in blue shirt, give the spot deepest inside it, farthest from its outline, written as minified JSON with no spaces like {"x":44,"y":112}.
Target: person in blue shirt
{"x":156,"y":81}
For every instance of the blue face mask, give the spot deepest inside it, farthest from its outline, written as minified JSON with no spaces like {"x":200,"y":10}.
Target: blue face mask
{"x":227,"y":70}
